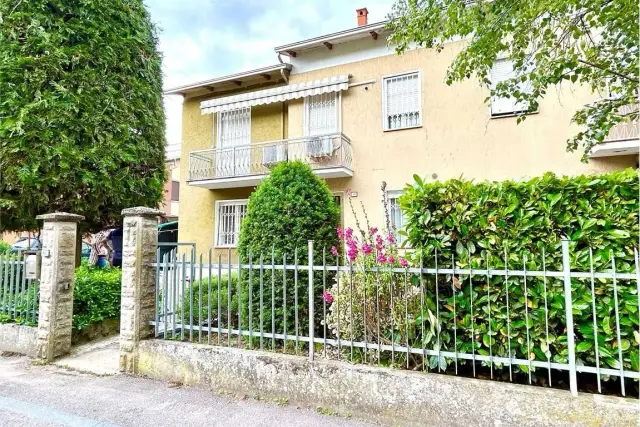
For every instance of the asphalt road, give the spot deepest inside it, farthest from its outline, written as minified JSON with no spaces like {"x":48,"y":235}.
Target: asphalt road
{"x":51,"y":396}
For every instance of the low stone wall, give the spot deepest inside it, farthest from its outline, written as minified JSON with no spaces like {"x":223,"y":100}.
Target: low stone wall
{"x":106,"y":328}
{"x":19,"y":339}
{"x":388,"y":396}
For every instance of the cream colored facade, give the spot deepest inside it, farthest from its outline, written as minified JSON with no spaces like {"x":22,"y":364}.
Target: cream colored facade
{"x":457,"y":137}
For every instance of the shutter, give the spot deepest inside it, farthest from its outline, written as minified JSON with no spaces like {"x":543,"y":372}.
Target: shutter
{"x":501,"y":71}
{"x":321,"y":114}
{"x":402,"y":101}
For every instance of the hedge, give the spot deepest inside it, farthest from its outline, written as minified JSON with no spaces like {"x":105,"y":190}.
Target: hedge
{"x":96,"y":295}
{"x":479,"y":222}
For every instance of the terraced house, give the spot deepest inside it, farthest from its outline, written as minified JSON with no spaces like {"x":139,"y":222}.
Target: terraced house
{"x":359,"y":114}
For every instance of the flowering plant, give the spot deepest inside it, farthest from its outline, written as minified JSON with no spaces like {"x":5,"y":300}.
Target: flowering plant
{"x":370,"y":301}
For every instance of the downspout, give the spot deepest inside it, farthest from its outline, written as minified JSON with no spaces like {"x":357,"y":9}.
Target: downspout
{"x":285,"y":76}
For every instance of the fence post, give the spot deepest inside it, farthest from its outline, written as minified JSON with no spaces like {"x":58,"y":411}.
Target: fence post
{"x":138,"y":300}
{"x":56,"y":284}
{"x":311,"y":303}
{"x":568,"y":303}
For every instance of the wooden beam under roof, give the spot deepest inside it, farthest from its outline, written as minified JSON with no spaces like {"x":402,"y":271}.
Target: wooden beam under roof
{"x":328,"y":45}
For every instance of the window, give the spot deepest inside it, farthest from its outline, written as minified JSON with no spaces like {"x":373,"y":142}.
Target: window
{"x":396,"y":217}
{"x":175,"y":191}
{"x":500,"y":106}
{"x":401,"y":101}
{"x":321,"y":114}
{"x":229,"y":215}
{"x":234,"y":127}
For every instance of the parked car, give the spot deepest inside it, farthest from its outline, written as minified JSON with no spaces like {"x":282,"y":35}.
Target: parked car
{"x":25,"y":244}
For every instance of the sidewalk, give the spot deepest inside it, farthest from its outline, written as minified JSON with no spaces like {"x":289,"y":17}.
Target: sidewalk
{"x":52,"y":396}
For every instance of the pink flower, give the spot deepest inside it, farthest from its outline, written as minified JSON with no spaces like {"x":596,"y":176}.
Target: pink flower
{"x":379,"y":243}
{"x":373,"y":230}
{"x":348,"y":232}
{"x":334,"y":251}
{"x":391,"y":259}
{"x":381,"y":258}
{"x":352,"y":253}
{"x":391,"y":239}
{"x":327,"y":297}
{"x":340,"y":232}
{"x":404,"y":262}
{"x":366,"y":249}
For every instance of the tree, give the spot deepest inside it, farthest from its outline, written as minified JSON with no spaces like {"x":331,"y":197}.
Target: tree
{"x":81,"y":115}
{"x":592,"y":43}
{"x":289,"y":208}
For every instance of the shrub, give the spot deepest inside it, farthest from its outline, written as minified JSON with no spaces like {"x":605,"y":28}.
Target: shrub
{"x":289,"y":208}
{"x":479,"y":223}
{"x":203,"y":285}
{"x":4,"y":247}
{"x":96,"y":295}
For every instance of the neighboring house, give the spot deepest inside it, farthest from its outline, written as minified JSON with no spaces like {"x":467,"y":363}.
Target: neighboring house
{"x":171,"y":203}
{"x":359,"y":114}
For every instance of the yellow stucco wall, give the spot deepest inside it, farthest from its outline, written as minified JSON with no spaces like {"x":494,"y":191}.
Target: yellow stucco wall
{"x":197,"y":205}
{"x":457,"y":137}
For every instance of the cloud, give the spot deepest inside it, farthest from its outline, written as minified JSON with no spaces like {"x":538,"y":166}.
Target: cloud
{"x":204,"y":39}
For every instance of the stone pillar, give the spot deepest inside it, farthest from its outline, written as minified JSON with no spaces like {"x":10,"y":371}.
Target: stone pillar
{"x":56,"y":284}
{"x":140,"y":242}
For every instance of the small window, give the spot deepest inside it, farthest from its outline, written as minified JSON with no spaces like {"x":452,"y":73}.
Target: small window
{"x":175,"y":191}
{"x":229,"y":215}
{"x":503,"y":106}
{"x":401,"y":101}
{"x":397,"y":219}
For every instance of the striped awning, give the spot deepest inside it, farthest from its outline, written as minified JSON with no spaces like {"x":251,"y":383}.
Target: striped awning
{"x":278,"y":94}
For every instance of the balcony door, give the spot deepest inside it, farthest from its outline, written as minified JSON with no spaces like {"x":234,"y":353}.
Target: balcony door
{"x":321,"y":119}
{"x":233,"y":154}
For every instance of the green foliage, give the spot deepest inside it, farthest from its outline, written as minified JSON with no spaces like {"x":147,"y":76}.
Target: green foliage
{"x":486,"y":223}
{"x":81,"y":115}
{"x":200,"y":290}
{"x":96,"y":295}
{"x":289,"y":208}
{"x":593,"y":43}
{"x":4,"y":247}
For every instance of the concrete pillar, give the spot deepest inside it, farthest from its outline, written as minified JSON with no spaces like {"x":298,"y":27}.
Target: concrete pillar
{"x":140,"y":241}
{"x":56,"y":284}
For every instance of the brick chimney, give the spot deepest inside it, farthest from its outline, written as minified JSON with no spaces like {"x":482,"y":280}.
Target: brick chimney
{"x":362,"y":16}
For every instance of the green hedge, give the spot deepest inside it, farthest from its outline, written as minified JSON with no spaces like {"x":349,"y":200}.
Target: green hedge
{"x":478,"y":222}
{"x":4,"y":247}
{"x":96,"y":295}
{"x":198,"y":286}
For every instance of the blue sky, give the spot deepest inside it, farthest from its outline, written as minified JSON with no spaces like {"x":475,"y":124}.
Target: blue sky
{"x":202,"y":39}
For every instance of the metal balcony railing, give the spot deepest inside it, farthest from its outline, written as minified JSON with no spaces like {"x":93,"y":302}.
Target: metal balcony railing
{"x":625,"y":131}
{"x":320,"y":152}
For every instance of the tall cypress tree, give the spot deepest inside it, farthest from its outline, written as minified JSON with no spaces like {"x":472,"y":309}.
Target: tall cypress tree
{"x":81,"y":115}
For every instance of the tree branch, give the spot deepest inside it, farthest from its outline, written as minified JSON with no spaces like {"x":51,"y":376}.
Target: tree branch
{"x":622,"y":76}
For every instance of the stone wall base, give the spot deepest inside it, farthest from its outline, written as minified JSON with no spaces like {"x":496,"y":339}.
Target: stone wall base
{"x":96,"y":331}
{"x":388,"y":396}
{"x":19,"y":339}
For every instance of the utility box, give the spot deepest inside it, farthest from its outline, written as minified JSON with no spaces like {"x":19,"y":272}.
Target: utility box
{"x":33,"y":263}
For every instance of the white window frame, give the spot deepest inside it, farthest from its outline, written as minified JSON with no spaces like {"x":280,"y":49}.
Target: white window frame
{"x":305,"y":116}
{"x":515,"y":112}
{"x":395,"y":194}
{"x":385,"y":79}
{"x":218,"y":205}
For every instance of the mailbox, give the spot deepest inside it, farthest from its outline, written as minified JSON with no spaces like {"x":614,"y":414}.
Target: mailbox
{"x":32,"y":266}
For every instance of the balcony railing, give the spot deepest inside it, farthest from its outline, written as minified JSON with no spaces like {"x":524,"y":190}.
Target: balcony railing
{"x":625,"y":131}
{"x":322,"y":152}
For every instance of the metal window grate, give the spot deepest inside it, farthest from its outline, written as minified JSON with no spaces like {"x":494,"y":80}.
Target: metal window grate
{"x":230,"y":216}
{"x":402,"y":101}
{"x":321,"y":114}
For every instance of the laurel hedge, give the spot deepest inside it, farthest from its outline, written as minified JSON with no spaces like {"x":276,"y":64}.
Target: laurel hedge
{"x":521,"y":225}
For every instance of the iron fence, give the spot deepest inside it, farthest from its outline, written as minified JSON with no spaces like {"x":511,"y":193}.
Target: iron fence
{"x":19,"y":296}
{"x":509,"y":323}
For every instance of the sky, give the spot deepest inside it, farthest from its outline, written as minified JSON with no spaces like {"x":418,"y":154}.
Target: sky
{"x":203,"y":39}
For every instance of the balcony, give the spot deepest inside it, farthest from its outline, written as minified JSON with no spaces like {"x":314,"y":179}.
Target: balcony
{"x":623,"y":139}
{"x":246,"y":165}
